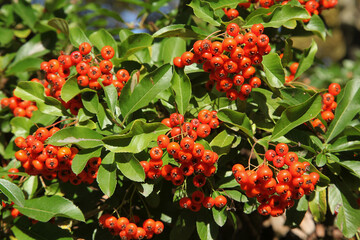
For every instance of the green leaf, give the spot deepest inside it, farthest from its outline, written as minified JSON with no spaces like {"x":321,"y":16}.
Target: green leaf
{"x":288,"y":54}
{"x":219,"y":4}
{"x":81,"y":136}
{"x":70,"y":89}
{"x":204,"y":11}
{"x":352,"y":166}
{"x":30,"y":186}
{"x":296,"y":115}
{"x":275,"y":74}
{"x":130,"y":166}
{"x":12,"y":191}
{"x":181,"y":85}
{"x":345,"y":143}
{"x":25,"y":12}
{"x":7,"y":36}
{"x":24,"y":65}
{"x":103,"y":11}
{"x":237,"y":119}
{"x":207,"y":229}
{"x":60,"y":24}
{"x":321,"y":160}
{"x":348,"y":218}
{"x":134,"y":43}
{"x":137,"y":139}
{"x":82,"y":157}
{"x":77,"y":36}
{"x":40,"y":231}
{"x":171,"y":48}
{"x":111,"y":96}
{"x":44,"y":208}
{"x":307,"y":59}
{"x":145,"y":91}
{"x":280,"y":16}
{"x":175,"y":30}
{"x":318,"y":205}
{"x":103,"y":38}
{"x":347,"y":108}
{"x":106,"y":176}
{"x":20,"y":126}
{"x":34,"y":91}
{"x":317,"y":26}
{"x":90,"y":101}
{"x":37,"y":46}
{"x":222,"y":142}
{"x":236,"y":195}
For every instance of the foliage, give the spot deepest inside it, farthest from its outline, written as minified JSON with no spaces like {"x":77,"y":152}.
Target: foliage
{"x":120,"y":124}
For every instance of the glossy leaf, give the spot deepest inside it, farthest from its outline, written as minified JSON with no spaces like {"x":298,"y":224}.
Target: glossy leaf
{"x":70,"y":89}
{"x":279,"y":16}
{"x":171,"y":48}
{"x":317,"y":26}
{"x":206,"y":227}
{"x":24,"y":10}
{"x":30,"y":186}
{"x":136,"y":139}
{"x":181,"y":85}
{"x":30,"y":91}
{"x":77,"y":36}
{"x":37,"y":46}
{"x":204,"y":11}
{"x":174,"y":30}
{"x":348,"y":218}
{"x":295,"y":115}
{"x":82,"y":157}
{"x":345,"y":143}
{"x":219,"y":4}
{"x":134,"y":43}
{"x":106,"y":176}
{"x":145,"y":91}
{"x":237,"y":119}
{"x":222,"y":142}
{"x":275,"y":74}
{"x":60,"y":24}
{"x":103,"y":38}
{"x":321,"y":160}
{"x":40,"y":231}
{"x":352,"y":166}
{"x":24,"y":65}
{"x":307,"y":59}
{"x":90,"y":100}
{"x":130,"y":166}
{"x":44,"y":208}
{"x":81,"y":136}
{"x":347,"y":108}
{"x":12,"y":191}
{"x":20,"y":126}
{"x":318,"y":205}
{"x":111,"y":96}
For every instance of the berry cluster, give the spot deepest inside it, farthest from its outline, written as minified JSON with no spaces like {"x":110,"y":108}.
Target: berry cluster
{"x":198,"y":199}
{"x":19,"y":107}
{"x":231,"y":62}
{"x":128,"y":230}
{"x":312,"y":6}
{"x":277,"y":194}
{"x":51,"y":161}
{"x":329,"y":106}
{"x":89,"y":71}
{"x":192,"y":157}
